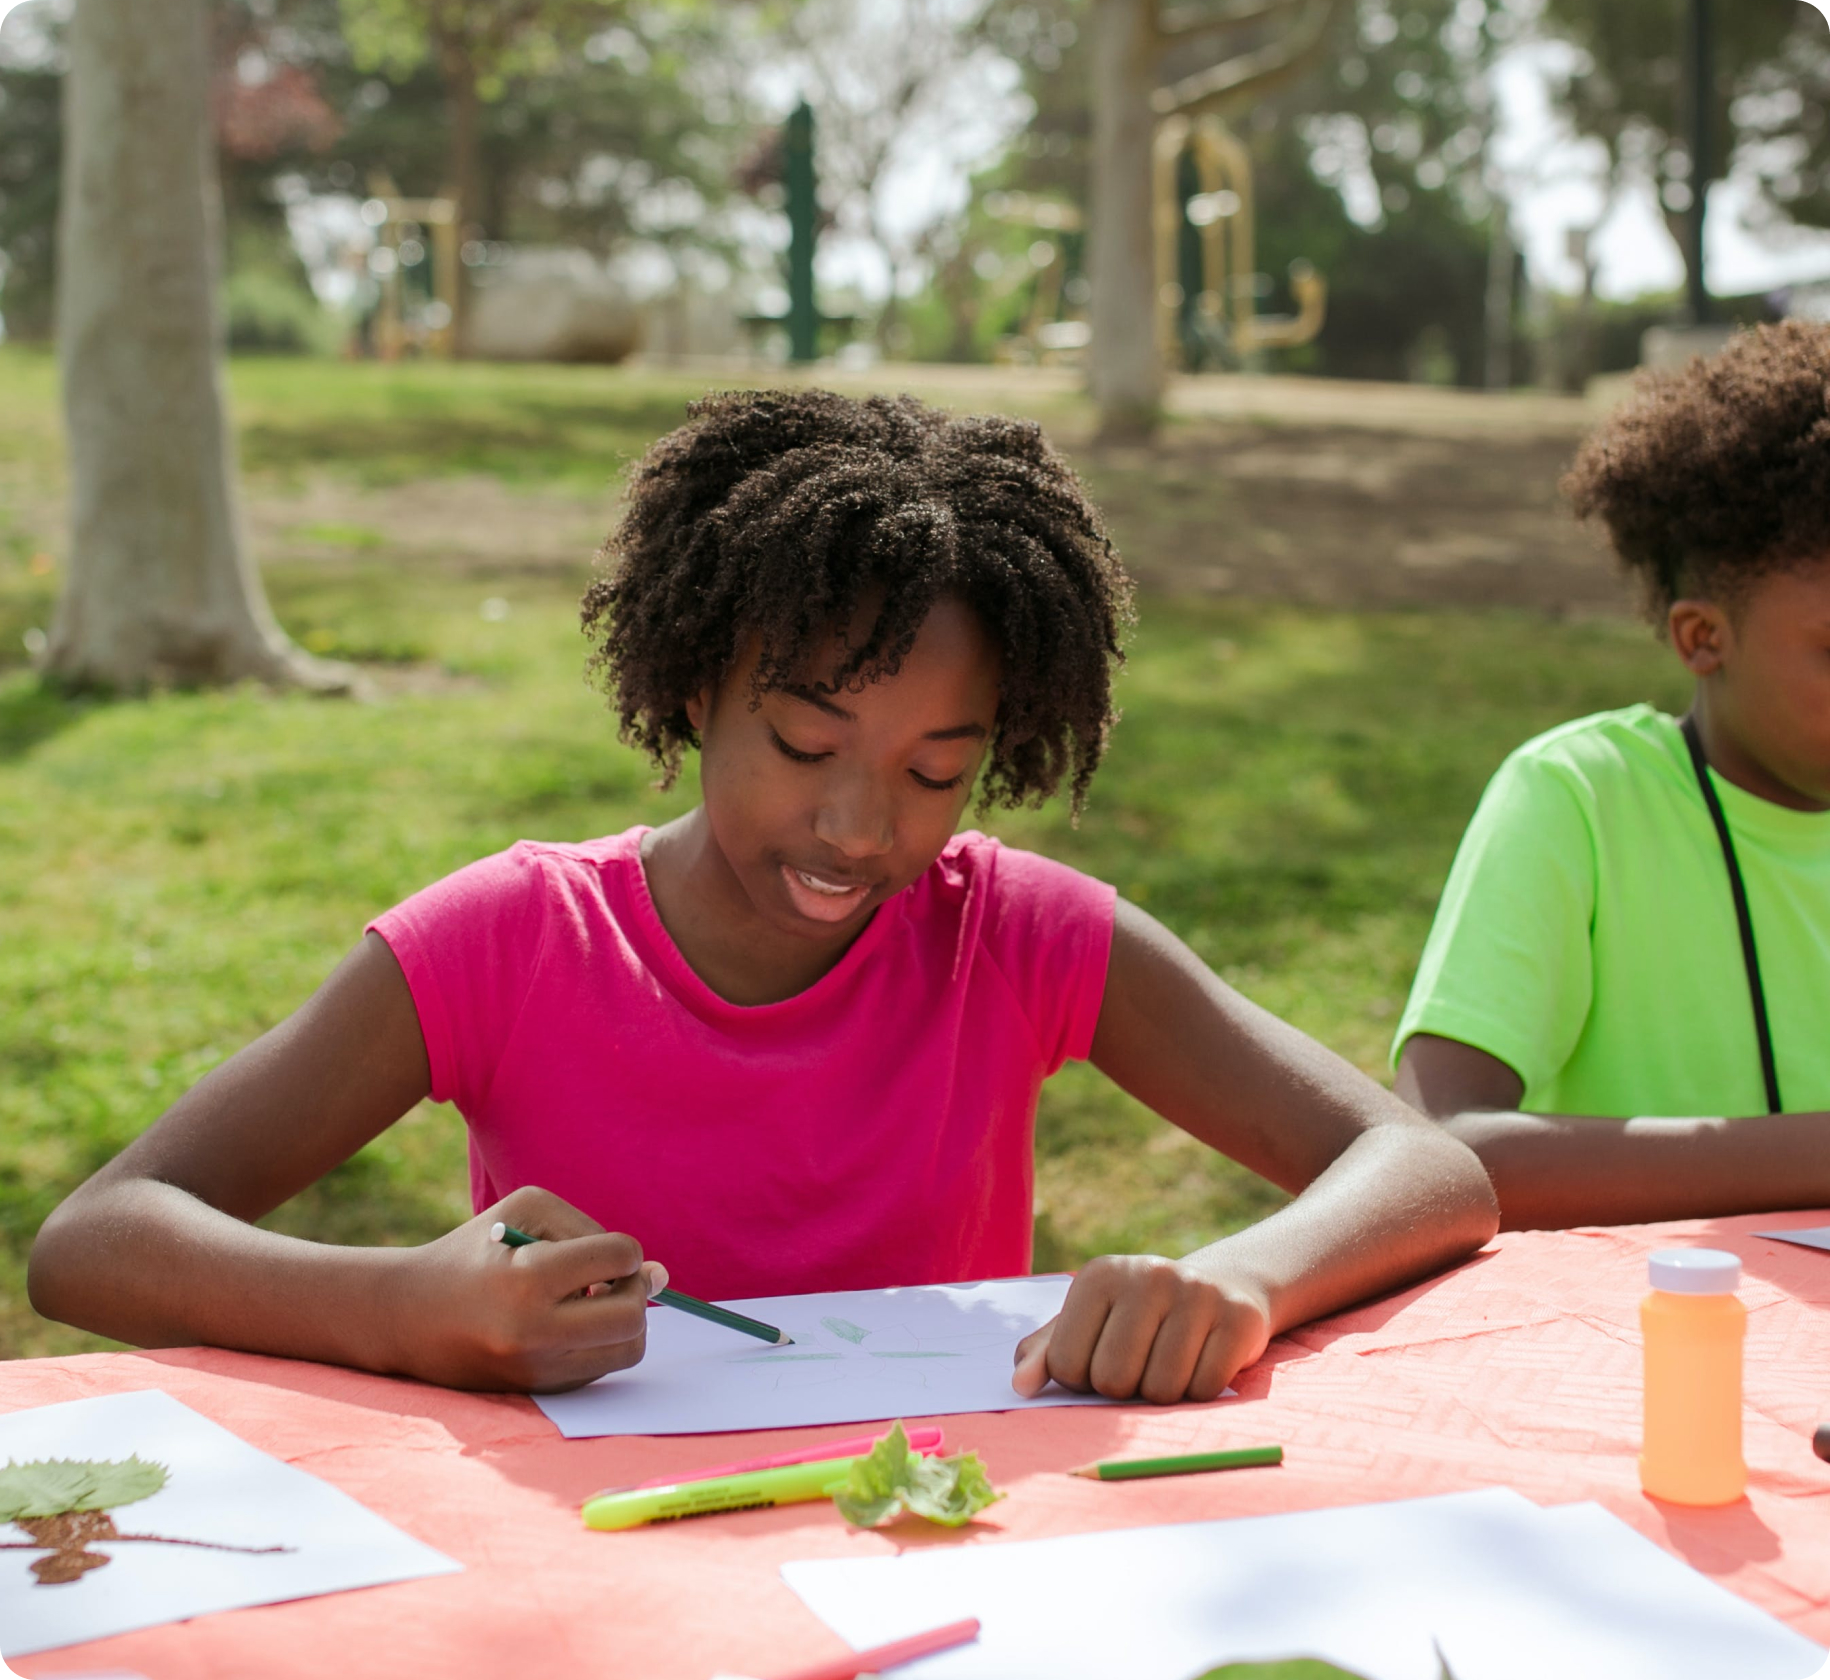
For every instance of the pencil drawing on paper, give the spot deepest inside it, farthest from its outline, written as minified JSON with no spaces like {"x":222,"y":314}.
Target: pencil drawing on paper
{"x":844,"y":1346}
{"x":777,"y":1358}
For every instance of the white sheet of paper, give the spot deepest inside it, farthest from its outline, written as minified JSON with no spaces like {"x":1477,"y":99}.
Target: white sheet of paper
{"x":220,"y":1489}
{"x":1510,"y":1593}
{"x":859,"y":1356}
{"x":1814,"y":1236}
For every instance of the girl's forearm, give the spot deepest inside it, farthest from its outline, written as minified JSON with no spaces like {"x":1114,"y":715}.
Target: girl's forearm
{"x":1556,"y":1170}
{"x":1392,"y":1208}
{"x":147,"y":1263}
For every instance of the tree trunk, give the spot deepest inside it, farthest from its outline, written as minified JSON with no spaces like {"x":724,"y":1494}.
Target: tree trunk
{"x":1125,"y":368}
{"x":158,"y":589}
{"x":1497,"y":314}
{"x":890,"y":316}
{"x":1686,"y":236}
{"x":465,"y":165}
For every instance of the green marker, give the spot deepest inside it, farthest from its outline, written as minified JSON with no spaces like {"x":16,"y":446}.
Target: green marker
{"x":1129,"y":1469}
{"x":792,"y":1483}
{"x":511,"y":1238}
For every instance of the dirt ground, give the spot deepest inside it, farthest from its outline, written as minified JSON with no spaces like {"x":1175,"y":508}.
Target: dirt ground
{"x":1412,"y":509}
{"x":1357,"y":517}
{"x":1335,"y":493}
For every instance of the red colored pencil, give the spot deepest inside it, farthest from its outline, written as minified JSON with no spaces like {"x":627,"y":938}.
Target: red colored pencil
{"x":892,"y":1655}
{"x":925,"y":1440}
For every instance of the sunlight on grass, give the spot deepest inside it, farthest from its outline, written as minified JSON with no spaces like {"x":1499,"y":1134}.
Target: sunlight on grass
{"x":177,"y":874}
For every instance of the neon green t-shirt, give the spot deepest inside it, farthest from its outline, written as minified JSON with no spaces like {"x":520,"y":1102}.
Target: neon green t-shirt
{"x":1587,"y":934}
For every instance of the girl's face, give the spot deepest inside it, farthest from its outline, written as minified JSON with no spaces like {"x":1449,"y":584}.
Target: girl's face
{"x":823,"y":805}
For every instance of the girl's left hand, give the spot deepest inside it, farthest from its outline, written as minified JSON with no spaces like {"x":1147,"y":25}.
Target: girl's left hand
{"x":1142,"y":1326}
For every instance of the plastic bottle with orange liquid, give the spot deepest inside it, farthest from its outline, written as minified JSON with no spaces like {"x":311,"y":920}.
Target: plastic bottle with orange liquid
{"x":1694,"y":1328}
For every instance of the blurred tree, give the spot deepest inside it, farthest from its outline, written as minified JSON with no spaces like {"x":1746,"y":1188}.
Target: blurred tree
{"x":1769,"y":108}
{"x":475,"y":47}
{"x":268,"y":106}
{"x":29,"y":161}
{"x":269,"y":117}
{"x":1372,"y":164}
{"x":272,"y":121}
{"x":159,"y":588}
{"x":887,"y":82}
{"x":1152,"y":59}
{"x":1396,"y":119}
{"x":1406,"y":287}
{"x":31,"y":79}
{"x":632,"y":136}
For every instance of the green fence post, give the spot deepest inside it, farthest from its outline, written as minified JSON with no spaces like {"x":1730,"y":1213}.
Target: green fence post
{"x":803,"y":214}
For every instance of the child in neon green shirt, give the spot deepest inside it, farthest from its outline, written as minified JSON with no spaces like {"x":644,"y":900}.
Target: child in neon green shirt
{"x":1620,"y":1030}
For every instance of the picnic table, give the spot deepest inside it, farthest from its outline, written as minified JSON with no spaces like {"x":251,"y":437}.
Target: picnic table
{"x":1520,"y":1368}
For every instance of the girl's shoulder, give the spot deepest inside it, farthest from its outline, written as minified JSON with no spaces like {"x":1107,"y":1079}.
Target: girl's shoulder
{"x":579,"y":861}
{"x":1015,"y":888}
{"x":1044,"y":926}
{"x":971,"y":856}
{"x":471,"y":944}
{"x":519,"y":884}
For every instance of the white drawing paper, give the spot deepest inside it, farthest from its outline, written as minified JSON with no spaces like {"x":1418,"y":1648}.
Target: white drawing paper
{"x":219,"y":1489}
{"x":859,"y":1356}
{"x":1814,"y":1236}
{"x":1508,"y":1592}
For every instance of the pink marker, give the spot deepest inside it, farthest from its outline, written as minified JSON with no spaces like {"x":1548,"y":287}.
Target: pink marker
{"x":927,"y":1440}
{"x":893,"y":1655}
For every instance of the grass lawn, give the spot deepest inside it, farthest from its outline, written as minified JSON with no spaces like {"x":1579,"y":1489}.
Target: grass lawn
{"x":177,"y":873}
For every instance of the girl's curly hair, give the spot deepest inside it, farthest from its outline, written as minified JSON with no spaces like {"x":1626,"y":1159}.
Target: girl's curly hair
{"x":1716,"y":475}
{"x":776,"y":514}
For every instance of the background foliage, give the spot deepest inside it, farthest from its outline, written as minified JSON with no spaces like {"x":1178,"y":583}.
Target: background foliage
{"x":607,"y":125}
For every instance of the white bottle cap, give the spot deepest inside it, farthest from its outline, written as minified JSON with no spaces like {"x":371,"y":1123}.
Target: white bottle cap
{"x":1694,"y":1271}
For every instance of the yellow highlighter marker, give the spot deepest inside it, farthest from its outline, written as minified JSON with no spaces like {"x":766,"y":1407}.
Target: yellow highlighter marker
{"x":631,"y":1507}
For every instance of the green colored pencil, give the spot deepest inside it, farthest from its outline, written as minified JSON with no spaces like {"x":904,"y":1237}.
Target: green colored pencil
{"x":1129,"y":1469}
{"x":512,"y":1238}
{"x":723,"y":1315}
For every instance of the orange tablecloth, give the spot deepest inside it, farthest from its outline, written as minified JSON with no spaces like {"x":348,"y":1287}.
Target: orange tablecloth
{"x":1521,"y":1368}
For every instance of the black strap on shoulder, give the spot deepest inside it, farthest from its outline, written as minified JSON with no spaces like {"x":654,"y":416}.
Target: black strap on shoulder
{"x":1764,"y":1033}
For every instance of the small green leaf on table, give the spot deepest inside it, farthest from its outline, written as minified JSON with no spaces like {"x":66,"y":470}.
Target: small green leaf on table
{"x":1294,"y":1668}
{"x":892,"y":1479}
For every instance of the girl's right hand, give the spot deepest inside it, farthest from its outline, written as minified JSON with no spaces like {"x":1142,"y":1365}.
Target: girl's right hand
{"x":556,"y":1314}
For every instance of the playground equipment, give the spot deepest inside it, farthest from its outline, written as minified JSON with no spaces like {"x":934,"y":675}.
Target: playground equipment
{"x":1043,"y":336}
{"x":1207,"y":285}
{"x":792,"y":167}
{"x":525,"y":305}
{"x":803,"y":233}
{"x":401,"y":225}
{"x":1206,"y":262}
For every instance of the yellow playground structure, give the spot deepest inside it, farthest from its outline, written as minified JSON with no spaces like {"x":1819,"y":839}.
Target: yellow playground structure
{"x":1222,"y":213}
{"x":1203,"y":184}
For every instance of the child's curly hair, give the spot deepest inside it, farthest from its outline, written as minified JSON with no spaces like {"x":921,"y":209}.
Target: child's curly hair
{"x":774,"y":514}
{"x":1715,"y":476}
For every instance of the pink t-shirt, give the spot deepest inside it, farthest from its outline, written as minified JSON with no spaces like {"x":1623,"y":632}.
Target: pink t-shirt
{"x":875,"y":1129}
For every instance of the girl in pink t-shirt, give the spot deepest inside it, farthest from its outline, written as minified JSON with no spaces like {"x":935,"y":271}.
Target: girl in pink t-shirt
{"x":792,"y":1040}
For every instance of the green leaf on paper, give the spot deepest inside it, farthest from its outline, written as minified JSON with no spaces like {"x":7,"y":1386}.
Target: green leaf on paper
{"x":53,"y":1487}
{"x":1297,"y":1668}
{"x":892,"y":1479}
